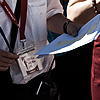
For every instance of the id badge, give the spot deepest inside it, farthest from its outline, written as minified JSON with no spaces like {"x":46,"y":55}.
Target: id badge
{"x":28,"y":62}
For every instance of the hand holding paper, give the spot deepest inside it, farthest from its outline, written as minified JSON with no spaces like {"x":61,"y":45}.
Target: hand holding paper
{"x":65,"y":42}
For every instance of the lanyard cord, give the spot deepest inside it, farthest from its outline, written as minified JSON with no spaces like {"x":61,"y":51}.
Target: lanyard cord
{"x":14,"y":28}
{"x":23,"y":18}
{"x":10,"y":14}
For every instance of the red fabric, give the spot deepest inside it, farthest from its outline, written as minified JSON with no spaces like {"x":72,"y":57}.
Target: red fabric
{"x":23,"y":18}
{"x":10,"y":14}
{"x":95,"y":71}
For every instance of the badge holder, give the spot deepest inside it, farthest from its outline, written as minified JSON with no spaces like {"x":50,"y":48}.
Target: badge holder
{"x":28,"y":62}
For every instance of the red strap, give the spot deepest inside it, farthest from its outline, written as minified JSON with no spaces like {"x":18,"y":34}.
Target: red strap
{"x":9,"y":12}
{"x":23,"y":18}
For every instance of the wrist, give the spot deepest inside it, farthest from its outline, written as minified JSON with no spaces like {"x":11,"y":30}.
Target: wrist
{"x":65,"y":26}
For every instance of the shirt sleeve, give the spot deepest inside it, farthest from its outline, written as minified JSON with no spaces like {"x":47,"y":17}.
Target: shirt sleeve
{"x":53,"y":7}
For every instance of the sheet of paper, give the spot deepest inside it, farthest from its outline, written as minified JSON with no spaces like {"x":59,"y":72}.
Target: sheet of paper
{"x":65,"y":42}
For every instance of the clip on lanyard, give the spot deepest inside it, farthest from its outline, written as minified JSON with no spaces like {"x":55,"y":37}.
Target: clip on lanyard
{"x":11,"y":15}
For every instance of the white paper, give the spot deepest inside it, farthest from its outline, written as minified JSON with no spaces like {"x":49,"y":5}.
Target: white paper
{"x":65,"y":42}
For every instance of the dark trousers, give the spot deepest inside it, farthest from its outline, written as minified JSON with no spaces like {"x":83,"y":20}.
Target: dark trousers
{"x":73,"y":73}
{"x":11,"y":91}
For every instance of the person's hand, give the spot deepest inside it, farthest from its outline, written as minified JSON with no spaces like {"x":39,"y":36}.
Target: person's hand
{"x":6,"y":59}
{"x":73,"y":28}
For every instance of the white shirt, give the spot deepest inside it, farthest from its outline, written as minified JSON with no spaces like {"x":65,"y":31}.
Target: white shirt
{"x":38,"y":11}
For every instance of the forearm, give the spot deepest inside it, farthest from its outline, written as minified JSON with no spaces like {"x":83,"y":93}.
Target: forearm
{"x":56,"y":22}
{"x":80,"y":12}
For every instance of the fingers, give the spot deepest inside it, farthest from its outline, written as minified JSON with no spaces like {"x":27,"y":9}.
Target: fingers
{"x":3,"y":68}
{"x":73,"y":29}
{"x":74,"y":33}
{"x":8,"y":54}
{"x":6,"y":59}
{"x":77,"y":28}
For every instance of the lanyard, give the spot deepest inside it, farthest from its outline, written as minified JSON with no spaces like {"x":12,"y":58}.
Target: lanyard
{"x":9,"y":12}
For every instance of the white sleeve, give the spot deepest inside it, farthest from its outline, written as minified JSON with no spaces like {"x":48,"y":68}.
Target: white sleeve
{"x":53,"y":7}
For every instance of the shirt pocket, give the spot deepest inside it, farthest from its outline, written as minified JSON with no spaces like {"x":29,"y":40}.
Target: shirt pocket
{"x":38,"y":14}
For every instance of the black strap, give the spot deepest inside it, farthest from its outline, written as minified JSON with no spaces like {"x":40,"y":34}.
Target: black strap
{"x":14,"y":28}
{"x":5,"y":76}
{"x":46,"y":76}
{"x":5,"y":39}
